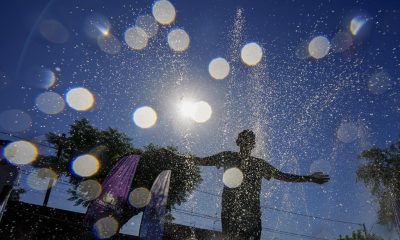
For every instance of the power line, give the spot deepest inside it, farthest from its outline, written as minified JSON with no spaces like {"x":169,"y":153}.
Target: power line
{"x":265,"y":207}
{"x":191,"y":213}
{"x":25,"y":139}
{"x":290,"y":212}
{"x":291,"y":233}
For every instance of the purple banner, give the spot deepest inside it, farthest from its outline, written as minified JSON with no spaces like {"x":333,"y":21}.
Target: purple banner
{"x":115,"y":191}
{"x":152,"y":227}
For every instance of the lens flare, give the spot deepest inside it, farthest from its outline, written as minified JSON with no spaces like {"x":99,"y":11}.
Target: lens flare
{"x":109,"y":44}
{"x":145,"y":117}
{"x":251,"y":54}
{"x":40,"y":179}
{"x":356,"y":24}
{"x":319,"y":47}
{"x":85,"y":165}
{"x":20,"y":152}
{"x":89,"y":189}
{"x":164,"y":12}
{"x":96,"y":26}
{"x":148,"y":24}
{"x":80,"y":99}
{"x":232,"y":177}
{"x":140,"y":197}
{"x":106,"y":227}
{"x":201,"y":112}
{"x":178,"y":40}
{"x":219,"y":68}
{"x":136,"y":38}
{"x":53,"y":31}
{"x":15,"y":120}
{"x":50,"y":103}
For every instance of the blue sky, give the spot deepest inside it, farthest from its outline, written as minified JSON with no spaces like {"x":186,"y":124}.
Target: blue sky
{"x":308,"y":114}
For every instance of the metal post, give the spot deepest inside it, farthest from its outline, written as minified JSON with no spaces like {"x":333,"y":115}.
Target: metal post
{"x":46,"y":198}
{"x":365,"y":231}
{"x":51,"y":181}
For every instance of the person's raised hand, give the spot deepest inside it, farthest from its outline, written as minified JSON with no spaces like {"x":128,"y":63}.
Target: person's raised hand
{"x":319,"y":177}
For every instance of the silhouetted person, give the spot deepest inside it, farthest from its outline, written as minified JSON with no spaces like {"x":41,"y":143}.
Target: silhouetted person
{"x":241,"y":212}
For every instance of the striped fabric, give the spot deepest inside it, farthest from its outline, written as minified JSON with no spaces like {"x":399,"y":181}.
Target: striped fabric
{"x":152,"y":227}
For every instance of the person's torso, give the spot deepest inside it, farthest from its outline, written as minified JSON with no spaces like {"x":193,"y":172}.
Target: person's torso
{"x":245,"y":197}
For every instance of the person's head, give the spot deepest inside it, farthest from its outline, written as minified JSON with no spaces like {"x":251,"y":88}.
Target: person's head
{"x":246,"y":140}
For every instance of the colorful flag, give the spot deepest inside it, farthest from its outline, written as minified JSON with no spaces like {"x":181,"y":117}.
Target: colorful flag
{"x":115,"y":191}
{"x":152,"y":227}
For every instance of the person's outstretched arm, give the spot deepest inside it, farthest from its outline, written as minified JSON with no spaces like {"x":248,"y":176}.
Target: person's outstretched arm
{"x":317,"y":177}
{"x":215,"y":160}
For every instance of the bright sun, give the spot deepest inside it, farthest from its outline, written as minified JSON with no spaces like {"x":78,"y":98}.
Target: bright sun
{"x":199,"y":112}
{"x":186,"y":108}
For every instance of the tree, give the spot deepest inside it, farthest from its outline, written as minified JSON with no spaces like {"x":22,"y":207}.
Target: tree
{"x":381,"y":173}
{"x":358,"y":235}
{"x":108,"y":146}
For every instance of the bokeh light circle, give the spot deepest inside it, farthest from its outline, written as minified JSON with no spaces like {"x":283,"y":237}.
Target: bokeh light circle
{"x":379,"y":82}
{"x":178,"y":40}
{"x":109,"y":44}
{"x":40,"y":179}
{"x":136,"y":38}
{"x":89,"y":189}
{"x":80,"y":99}
{"x":347,"y":132}
{"x":53,"y":31}
{"x":164,"y":12}
{"x":251,"y":54}
{"x":85,"y":165}
{"x":15,"y":120}
{"x":302,"y":50}
{"x":145,"y":117}
{"x":219,"y":68}
{"x":44,"y":78}
{"x":20,"y":152}
{"x":356,"y":24}
{"x":50,"y":103}
{"x":106,"y":227}
{"x":232,"y":177}
{"x":342,"y":41}
{"x":148,"y":24}
{"x":319,"y":47}
{"x":201,"y":112}
{"x":139,"y":197}
{"x":320,"y":166}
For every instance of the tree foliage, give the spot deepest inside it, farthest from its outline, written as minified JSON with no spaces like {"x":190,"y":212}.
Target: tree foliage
{"x":109,"y":146}
{"x":358,"y":235}
{"x":381,"y":173}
